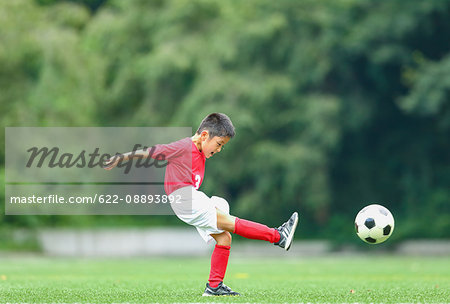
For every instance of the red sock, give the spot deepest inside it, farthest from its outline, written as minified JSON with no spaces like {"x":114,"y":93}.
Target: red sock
{"x":255,"y":231}
{"x":219,"y":262}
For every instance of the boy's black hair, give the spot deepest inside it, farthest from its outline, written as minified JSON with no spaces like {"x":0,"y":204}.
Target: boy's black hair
{"x":217,"y":124}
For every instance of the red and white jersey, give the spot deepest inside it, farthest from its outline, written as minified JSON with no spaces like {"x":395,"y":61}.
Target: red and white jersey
{"x":186,"y":164}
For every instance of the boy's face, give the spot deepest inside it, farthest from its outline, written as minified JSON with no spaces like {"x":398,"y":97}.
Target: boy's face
{"x":211,"y":146}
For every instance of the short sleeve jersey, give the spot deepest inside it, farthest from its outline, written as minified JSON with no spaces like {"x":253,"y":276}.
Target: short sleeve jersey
{"x":185,"y":164}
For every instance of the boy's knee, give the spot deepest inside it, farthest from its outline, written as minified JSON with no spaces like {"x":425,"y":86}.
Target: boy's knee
{"x":223,"y":239}
{"x":225,"y":221}
{"x":228,"y":237}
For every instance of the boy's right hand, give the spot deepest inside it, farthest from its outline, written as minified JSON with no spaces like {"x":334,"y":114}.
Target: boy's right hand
{"x":111,"y":162}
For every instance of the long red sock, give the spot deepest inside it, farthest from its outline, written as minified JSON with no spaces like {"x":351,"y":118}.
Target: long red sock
{"x":219,"y":262}
{"x":255,"y":231}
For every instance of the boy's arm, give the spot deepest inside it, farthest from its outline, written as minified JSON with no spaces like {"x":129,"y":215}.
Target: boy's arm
{"x":168,"y":151}
{"x":114,"y":160}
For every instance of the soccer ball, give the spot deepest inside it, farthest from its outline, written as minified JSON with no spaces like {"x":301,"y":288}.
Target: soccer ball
{"x":374,"y":224}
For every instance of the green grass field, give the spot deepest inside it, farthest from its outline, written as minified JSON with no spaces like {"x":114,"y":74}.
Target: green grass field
{"x":319,"y":280}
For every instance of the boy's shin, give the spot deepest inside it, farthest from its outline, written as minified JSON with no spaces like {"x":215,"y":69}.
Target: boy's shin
{"x":219,"y":262}
{"x":255,"y":231}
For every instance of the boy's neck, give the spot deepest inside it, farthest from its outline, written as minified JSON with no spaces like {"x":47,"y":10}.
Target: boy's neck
{"x":196,"y":139}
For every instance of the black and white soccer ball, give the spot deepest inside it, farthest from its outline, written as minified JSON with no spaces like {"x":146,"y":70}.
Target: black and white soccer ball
{"x":374,"y":224}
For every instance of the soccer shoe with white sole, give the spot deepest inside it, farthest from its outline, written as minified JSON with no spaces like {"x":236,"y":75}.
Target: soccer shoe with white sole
{"x":287,"y":231}
{"x":220,"y":290}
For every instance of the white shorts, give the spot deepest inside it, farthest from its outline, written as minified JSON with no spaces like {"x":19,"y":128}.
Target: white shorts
{"x":197,"y":209}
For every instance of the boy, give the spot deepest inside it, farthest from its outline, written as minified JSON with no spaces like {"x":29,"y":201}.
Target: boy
{"x":184,"y":175}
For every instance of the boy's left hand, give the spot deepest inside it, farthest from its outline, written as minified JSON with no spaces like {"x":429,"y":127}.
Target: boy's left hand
{"x":111,"y":162}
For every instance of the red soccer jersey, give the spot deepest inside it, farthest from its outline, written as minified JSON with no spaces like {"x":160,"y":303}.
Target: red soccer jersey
{"x":186,"y":164}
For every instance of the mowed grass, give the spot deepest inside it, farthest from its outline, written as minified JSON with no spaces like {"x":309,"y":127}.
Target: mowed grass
{"x":362,"y":279}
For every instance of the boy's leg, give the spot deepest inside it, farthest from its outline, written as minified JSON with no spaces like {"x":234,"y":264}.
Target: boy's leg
{"x":245,"y":228}
{"x":282,"y":236}
{"x":219,"y":258}
{"x":219,"y":262}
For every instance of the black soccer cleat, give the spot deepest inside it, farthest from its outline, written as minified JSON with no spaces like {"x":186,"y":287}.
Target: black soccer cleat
{"x":287,"y":231}
{"x":220,"y":290}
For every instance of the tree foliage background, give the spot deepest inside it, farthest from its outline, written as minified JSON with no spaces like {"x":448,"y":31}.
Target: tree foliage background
{"x":336,"y":103}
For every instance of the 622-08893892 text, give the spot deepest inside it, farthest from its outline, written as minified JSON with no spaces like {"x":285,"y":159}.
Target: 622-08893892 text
{"x":102,"y":199}
{"x":140,"y":199}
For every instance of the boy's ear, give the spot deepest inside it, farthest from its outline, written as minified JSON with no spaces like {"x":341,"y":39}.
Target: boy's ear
{"x":204,"y":135}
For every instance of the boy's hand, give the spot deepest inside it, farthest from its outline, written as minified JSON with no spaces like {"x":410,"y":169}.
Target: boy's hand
{"x":111,"y":162}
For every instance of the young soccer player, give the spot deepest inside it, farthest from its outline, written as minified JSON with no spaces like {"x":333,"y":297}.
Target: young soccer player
{"x":210,"y":215}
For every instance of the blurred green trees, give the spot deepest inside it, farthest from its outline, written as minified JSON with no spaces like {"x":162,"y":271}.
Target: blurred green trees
{"x":337,"y":104}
